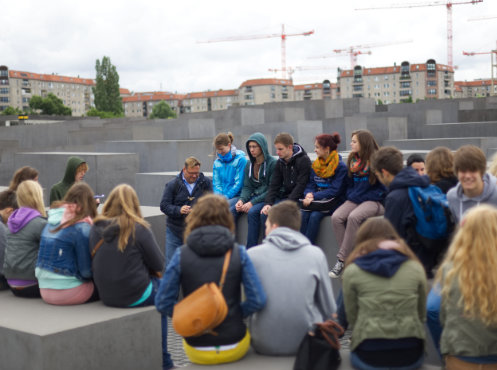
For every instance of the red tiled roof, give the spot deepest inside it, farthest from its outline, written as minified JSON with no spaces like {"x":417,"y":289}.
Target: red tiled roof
{"x":393,"y":69}
{"x":156,"y":96}
{"x":266,"y":81}
{"x":51,"y":78}
{"x":211,"y":94}
{"x":124,"y":91}
{"x":474,"y":83}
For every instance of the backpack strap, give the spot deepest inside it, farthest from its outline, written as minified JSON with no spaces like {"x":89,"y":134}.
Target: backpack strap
{"x":97,"y":247}
{"x":227,"y":258}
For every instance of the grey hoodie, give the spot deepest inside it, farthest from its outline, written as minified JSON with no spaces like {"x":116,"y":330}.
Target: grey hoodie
{"x":460,"y":203}
{"x":294,"y":275}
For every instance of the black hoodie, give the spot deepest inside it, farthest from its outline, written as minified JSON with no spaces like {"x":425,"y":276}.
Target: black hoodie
{"x":290,"y":178}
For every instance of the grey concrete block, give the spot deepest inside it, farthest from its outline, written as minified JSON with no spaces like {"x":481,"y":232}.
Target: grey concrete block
{"x":38,"y":336}
{"x":201,"y":128}
{"x":162,"y":155}
{"x":275,"y":113}
{"x":433,"y":116}
{"x":147,"y":132}
{"x":251,"y":116}
{"x":466,"y":105}
{"x":333,"y":109}
{"x":150,"y":186}
{"x":106,"y":169}
{"x":397,"y":128}
{"x":157,"y":221}
{"x":353,"y":123}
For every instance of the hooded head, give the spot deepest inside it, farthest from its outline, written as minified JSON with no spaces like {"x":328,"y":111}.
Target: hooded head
{"x":259,"y":139}
{"x":73,"y":166}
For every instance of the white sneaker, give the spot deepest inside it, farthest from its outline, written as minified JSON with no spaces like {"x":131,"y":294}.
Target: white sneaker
{"x":337,"y":270}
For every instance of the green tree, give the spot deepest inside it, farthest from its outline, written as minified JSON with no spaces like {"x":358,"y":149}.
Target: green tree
{"x":93,"y":112}
{"x":11,"y":111}
{"x":162,"y":110}
{"x":51,"y":105}
{"x":106,"y":90}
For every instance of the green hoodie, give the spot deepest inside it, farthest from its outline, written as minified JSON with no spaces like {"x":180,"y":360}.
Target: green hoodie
{"x":59,"y":190}
{"x":255,"y":190}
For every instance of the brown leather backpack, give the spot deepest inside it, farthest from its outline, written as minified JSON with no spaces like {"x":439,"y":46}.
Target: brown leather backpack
{"x":203,"y":309}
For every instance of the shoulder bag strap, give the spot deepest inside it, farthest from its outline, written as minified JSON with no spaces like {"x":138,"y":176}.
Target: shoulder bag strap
{"x":227,"y":258}
{"x":97,"y":247}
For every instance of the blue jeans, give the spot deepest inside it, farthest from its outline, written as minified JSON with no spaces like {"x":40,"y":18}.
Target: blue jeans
{"x":433,"y":303}
{"x":173,"y":242}
{"x":254,"y":223}
{"x":310,"y":224}
{"x":167,"y":362}
{"x":357,"y":363}
{"x":341,"y":314}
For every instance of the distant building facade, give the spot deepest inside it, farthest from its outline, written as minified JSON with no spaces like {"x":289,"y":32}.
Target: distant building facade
{"x":265,"y":90}
{"x":475,"y":89}
{"x":315,"y":91}
{"x":142,"y":104}
{"x":17,"y":88}
{"x":396,"y":84}
{"x":208,"y":101}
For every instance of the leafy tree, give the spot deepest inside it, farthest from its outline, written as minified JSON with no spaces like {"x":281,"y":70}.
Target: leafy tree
{"x":51,"y":105}
{"x":93,"y":112}
{"x":380,"y":102}
{"x":162,"y":110}
{"x":106,"y":90}
{"x":11,"y":111}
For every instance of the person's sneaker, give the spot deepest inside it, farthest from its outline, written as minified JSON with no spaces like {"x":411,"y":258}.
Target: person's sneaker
{"x":337,"y":270}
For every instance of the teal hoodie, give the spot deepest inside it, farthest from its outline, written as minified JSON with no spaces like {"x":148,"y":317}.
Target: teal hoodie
{"x":59,"y":190}
{"x":255,"y":190}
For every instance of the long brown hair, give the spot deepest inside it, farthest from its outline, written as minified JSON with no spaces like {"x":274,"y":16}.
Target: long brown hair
{"x":368,"y":146}
{"x":439,"y":164}
{"x":373,"y":231}
{"x":23,"y":174}
{"x":211,"y":209}
{"x":80,"y":194}
{"x":123,"y":208}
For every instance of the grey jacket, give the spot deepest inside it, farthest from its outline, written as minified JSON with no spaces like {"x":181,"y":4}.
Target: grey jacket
{"x":460,"y":203}
{"x":22,"y":250}
{"x":294,"y":275}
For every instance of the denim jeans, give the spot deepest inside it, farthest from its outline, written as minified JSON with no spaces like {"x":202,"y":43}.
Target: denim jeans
{"x":167,"y":362}
{"x":173,"y":242}
{"x":310,"y":224}
{"x":254,"y":223}
{"x":341,"y":314}
{"x":357,"y":363}
{"x":433,"y":303}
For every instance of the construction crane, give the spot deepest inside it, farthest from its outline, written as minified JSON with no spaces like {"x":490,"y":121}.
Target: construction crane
{"x":283,"y":35}
{"x":493,"y":64}
{"x":448,"y":5}
{"x":481,"y":19}
{"x":354,"y":51}
{"x":292,"y":70}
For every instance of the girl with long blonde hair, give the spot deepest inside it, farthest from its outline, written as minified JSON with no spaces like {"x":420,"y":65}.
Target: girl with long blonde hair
{"x":467,"y":283}
{"x":63,"y":269}
{"x":127,"y":262}
{"x":25,"y":226}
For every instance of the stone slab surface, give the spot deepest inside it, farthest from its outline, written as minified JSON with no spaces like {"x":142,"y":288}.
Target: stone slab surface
{"x":106,"y":169}
{"x":38,"y":336}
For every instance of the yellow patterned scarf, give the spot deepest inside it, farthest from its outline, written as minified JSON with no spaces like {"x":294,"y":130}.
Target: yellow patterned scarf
{"x":325,"y":168}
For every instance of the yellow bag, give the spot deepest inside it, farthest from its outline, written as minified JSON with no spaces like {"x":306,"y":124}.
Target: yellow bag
{"x":203,"y":309}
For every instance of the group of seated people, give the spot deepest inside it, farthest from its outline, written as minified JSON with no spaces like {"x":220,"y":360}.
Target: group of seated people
{"x":383,"y":263}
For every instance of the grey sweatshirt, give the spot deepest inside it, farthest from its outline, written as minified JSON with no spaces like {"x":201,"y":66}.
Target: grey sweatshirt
{"x":294,"y":275}
{"x":460,"y":203}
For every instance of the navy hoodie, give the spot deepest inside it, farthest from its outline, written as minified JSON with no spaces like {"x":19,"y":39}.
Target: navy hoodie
{"x":398,"y":207}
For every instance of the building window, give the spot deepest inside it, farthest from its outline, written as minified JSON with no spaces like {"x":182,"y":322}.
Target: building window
{"x":4,"y":99}
{"x":405,"y":84}
{"x":432,"y":91}
{"x":248,"y":88}
{"x":431,"y":83}
{"x":4,"y":90}
{"x":386,"y":77}
{"x":405,"y":92}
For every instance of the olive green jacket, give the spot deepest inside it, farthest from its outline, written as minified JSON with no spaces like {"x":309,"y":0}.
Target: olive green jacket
{"x":59,"y":190}
{"x":462,"y":336}
{"x":385,"y":308}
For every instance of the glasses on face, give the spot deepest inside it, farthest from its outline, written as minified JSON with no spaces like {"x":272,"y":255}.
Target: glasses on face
{"x":253,"y":146}
{"x":191,"y":173}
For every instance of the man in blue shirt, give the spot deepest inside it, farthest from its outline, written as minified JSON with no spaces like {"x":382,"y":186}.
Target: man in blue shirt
{"x":177,"y":200}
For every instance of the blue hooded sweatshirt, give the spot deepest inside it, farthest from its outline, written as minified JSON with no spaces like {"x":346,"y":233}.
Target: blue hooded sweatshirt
{"x":227,"y":174}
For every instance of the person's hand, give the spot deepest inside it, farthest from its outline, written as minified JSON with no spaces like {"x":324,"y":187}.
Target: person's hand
{"x":185,"y":210}
{"x":238,"y":206}
{"x":265,"y":209}
{"x":246,"y":207}
{"x":306,"y":201}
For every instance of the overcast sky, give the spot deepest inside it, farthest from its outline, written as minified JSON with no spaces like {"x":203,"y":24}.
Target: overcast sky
{"x":155,"y":43}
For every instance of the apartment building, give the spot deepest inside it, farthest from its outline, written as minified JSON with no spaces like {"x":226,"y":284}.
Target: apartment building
{"x":396,"y":84}
{"x":475,"y":89}
{"x":265,"y":90}
{"x":208,"y":101}
{"x":142,"y":104}
{"x":17,"y":87}
{"x":315,"y":91}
